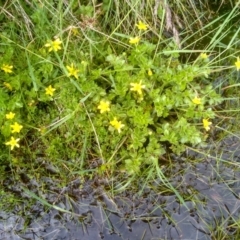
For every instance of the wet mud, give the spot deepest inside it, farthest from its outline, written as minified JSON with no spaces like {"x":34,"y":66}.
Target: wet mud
{"x":210,"y":188}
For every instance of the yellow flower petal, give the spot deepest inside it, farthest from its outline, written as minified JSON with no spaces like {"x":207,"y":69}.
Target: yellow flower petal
{"x":16,"y":127}
{"x":237,"y":64}
{"x":137,"y":87}
{"x":142,"y":26}
{"x":49,"y":90}
{"x":117,"y":124}
{"x":134,"y":40}
{"x":203,"y":56}
{"x":104,"y":106}
{"x":7,"y":68}
{"x":196,"y":100}
{"x":10,"y":115}
{"x":13,"y":142}
{"x":72,"y":71}
{"x":206,"y":124}
{"x":54,"y":45}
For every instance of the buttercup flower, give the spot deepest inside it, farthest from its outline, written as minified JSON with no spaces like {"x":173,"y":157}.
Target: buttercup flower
{"x":196,"y":100}
{"x":134,"y":40}
{"x":237,"y":64}
{"x":16,"y":127}
{"x":104,"y":106}
{"x":7,"y":68}
{"x":141,"y":26}
{"x":72,"y":71}
{"x":117,"y":124}
{"x":54,"y":45}
{"x":206,"y":124}
{"x":10,"y":115}
{"x":137,"y":87}
{"x":203,"y":56}
{"x":13,"y":142}
{"x":50,"y":90}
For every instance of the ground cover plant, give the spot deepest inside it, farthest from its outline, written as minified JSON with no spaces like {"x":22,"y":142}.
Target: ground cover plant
{"x":91,"y":90}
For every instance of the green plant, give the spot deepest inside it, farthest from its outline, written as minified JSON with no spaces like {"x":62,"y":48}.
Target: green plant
{"x":122,"y":97}
{"x":151,"y":102}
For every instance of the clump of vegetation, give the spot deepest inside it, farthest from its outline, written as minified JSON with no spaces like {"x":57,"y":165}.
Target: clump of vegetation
{"x":73,"y":92}
{"x":131,"y":105}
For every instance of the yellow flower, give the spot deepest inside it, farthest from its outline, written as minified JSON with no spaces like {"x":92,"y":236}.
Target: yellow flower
{"x":137,"y":87}
{"x":117,"y":124}
{"x":54,"y":45}
{"x":237,"y":64}
{"x":13,"y":142}
{"x":10,"y":115}
{"x":8,"y":85}
{"x":150,"y":73}
{"x":141,"y":26}
{"x":134,"y":40}
{"x":72,"y":71}
{"x":196,"y":100}
{"x":104,"y":106}
{"x":49,"y":90}
{"x":203,"y":56}
{"x":206,"y":124}
{"x":16,"y":127}
{"x":7,"y":68}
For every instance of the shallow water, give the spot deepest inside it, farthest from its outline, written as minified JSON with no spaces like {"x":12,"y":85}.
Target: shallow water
{"x":212,"y":187}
